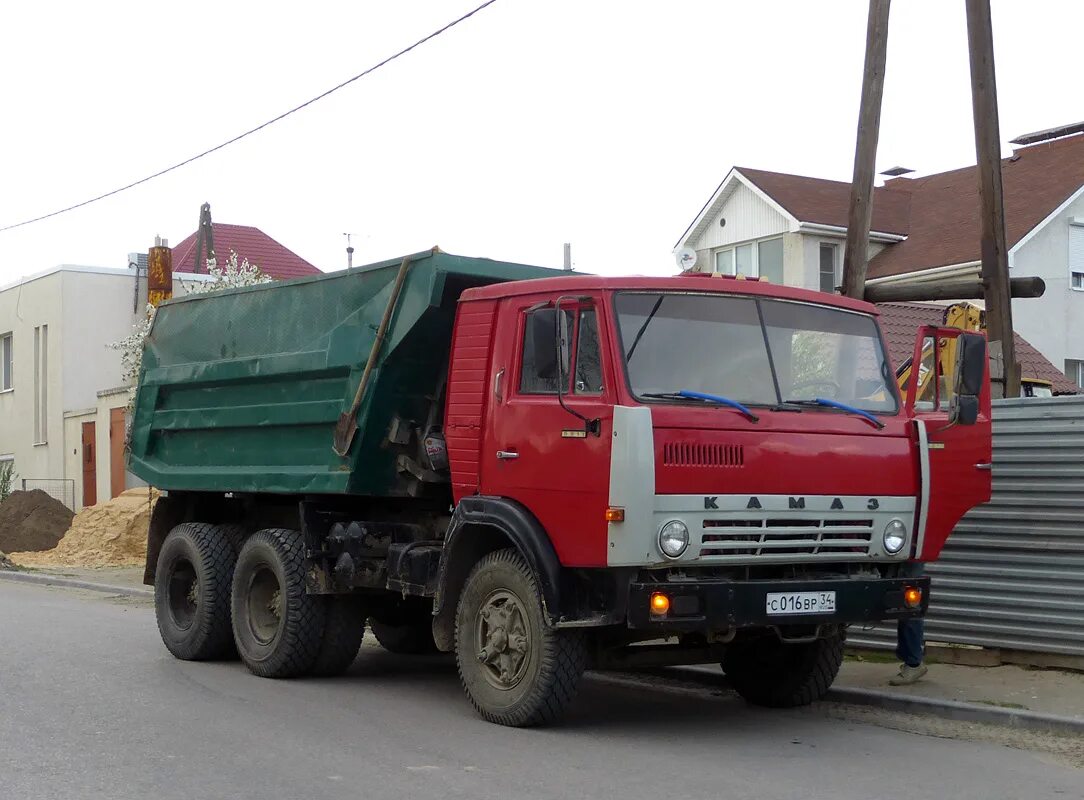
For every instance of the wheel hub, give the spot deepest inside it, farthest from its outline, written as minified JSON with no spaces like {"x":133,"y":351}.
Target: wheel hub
{"x":503,"y":638}
{"x":265,"y":605}
{"x":183,"y":593}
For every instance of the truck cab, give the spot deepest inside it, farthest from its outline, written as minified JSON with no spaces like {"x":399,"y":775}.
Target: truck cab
{"x":722,"y":462}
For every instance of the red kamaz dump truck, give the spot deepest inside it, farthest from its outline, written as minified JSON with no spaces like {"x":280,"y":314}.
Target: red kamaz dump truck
{"x":545,"y":473}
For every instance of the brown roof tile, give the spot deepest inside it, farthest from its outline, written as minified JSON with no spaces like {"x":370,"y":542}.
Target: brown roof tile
{"x":826,"y":202}
{"x":901,"y":321}
{"x":944,"y":218}
{"x":272,"y":258}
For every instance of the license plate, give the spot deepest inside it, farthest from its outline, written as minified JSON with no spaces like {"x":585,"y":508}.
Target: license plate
{"x":800,"y":603}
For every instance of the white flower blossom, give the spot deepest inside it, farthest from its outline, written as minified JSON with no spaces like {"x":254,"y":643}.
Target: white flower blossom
{"x":231,"y":276}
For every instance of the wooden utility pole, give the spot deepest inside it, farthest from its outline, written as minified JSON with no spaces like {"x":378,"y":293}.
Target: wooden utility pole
{"x":995,"y":257}
{"x":855,"y":256}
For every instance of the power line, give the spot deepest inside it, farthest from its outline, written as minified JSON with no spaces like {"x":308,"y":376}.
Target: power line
{"x":260,"y":127}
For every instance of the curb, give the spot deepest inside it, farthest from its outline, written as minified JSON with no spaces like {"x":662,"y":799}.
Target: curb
{"x":913,"y":704}
{"x":46,"y":579}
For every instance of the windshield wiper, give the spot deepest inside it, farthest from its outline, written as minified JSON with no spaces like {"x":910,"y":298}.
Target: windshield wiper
{"x":686,"y":394}
{"x":823,"y":401}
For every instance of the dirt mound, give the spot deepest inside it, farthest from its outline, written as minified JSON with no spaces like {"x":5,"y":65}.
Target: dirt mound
{"x":6,"y":563}
{"x":110,"y":534}
{"x":32,"y":521}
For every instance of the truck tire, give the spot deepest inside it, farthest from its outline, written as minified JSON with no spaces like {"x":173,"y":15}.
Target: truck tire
{"x":515,"y":669}
{"x":278,"y":628}
{"x":192,"y":592}
{"x":344,"y":627}
{"x":768,"y":672}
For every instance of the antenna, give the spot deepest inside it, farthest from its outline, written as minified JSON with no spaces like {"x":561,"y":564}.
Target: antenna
{"x":349,"y":252}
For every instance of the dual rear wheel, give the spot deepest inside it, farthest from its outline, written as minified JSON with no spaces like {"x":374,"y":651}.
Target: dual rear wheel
{"x":218,"y":594}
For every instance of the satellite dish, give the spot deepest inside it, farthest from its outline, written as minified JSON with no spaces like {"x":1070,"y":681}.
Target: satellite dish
{"x":686,"y":259}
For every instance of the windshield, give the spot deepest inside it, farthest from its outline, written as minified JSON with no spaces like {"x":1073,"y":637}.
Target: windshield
{"x":758,"y":352}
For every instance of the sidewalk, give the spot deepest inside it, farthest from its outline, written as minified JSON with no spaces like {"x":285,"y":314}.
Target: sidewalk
{"x":1044,"y":691}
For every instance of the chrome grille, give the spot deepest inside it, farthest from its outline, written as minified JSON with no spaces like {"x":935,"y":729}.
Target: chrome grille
{"x":822,"y":538}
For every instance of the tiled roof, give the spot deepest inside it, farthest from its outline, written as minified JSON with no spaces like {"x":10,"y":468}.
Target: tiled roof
{"x":944,"y":224}
{"x":939,"y":214}
{"x":827,"y":202}
{"x":901,"y":321}
{"x":260,"y":249}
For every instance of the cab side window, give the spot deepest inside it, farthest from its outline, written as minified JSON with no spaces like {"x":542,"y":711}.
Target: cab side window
{"x":540,"y":373}
{"x":588,"y":357}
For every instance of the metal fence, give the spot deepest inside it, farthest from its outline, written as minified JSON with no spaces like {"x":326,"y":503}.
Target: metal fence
{"x":1011,"y":575}
{"x":62,"y":489}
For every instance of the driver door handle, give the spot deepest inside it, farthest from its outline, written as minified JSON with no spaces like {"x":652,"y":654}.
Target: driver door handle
{"x":507,"y":455}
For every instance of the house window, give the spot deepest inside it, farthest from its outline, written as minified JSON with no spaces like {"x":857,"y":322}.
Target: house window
{"x":770,"y":260}
{"x":1074,"y":371}
{"x":828,"y":267}
{"x":1076,"y":255}
{"x":41,"y":384}
{"x":5,"y":363}
{"x":753,"y":259}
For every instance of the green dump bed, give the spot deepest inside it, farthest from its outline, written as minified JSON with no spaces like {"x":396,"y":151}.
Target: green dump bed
{"x":240,"y":390}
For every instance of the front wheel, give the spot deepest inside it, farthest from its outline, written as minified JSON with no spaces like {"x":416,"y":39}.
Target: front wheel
{"x":515,"y":668}
{"x":769,"y":672}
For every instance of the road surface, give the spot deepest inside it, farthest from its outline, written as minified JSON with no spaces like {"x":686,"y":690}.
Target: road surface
{"x":92,"y":706}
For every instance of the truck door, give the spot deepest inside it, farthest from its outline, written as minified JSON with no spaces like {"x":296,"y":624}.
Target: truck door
{"x":534,"y":450}
{"x":954,"y":458}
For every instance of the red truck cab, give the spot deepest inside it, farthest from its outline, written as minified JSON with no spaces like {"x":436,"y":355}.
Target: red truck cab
{"x":723,"y":461}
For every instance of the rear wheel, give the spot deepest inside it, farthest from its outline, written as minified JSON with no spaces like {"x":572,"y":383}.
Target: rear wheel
{"x":515,"y":668}
{"x":344,"y":627}
{"x":278,"y":628}
{"x":192,"y":592}
{"x":769,"y":672}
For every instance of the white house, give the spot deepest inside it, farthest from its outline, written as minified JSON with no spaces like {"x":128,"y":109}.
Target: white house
{"x":791,"y":229}
{"x":63,"y":399}
{"x":55,"y":328}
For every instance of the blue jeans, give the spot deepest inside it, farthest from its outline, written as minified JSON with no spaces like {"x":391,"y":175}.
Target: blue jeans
{"x":910,"y":640}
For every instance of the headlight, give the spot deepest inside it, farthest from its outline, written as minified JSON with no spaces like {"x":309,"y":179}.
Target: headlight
{"x":895,"y":536}
{"x":673,"y":538}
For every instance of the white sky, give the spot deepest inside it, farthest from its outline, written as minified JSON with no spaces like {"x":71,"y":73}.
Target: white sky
{"x":606,"y":124}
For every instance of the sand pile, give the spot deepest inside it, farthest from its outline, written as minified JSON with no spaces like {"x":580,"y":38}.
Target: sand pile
{"x":32,"y":521}
{"x":110,"y":534}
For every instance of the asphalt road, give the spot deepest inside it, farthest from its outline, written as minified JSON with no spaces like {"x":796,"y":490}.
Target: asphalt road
{"x":92,"y":706}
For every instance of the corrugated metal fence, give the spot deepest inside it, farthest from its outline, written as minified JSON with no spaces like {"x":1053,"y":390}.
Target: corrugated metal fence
{"x":1012,"y":573}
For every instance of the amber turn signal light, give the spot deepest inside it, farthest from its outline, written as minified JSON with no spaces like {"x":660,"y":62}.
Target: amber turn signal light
{"x":660,"y":603}
{"x":912,"y":597}
{"x":615,"y":514}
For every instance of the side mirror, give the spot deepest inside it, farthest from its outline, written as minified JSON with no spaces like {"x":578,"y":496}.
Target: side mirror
{"x":970,"y":369}
{"x":970,"y":363}
{"x":543,"y":353}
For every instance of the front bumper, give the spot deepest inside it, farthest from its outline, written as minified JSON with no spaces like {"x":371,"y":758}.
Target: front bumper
{"x":715,"y":605}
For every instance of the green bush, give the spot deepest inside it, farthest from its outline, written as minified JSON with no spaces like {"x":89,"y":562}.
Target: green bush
{"x":7,"y":479}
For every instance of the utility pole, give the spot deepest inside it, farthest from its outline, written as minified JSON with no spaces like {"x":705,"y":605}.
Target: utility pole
{"x":995,"y":257}
{"x":568,"y":256}
{"x":855,"y":256}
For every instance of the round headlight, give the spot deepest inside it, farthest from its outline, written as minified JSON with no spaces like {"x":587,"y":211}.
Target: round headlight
{"x":673,"y":538}
{"x":895,"y":536}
